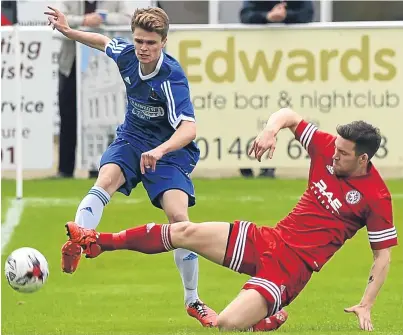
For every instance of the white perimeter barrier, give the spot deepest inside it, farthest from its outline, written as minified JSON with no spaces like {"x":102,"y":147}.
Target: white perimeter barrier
{"x":330,"y":73}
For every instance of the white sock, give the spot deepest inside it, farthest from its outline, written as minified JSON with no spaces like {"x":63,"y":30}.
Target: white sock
{"x":188,"y":265}
{"x":89,"y":212}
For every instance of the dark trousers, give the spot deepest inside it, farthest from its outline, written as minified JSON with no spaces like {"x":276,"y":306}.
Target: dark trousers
{"x":68,"y":122}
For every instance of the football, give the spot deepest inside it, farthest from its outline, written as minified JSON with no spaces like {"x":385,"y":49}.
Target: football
{"x":26,"y":270}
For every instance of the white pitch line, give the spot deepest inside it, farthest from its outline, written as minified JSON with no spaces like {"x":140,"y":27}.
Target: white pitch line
{"x":41,"y":202}
{"x":12,"y":220}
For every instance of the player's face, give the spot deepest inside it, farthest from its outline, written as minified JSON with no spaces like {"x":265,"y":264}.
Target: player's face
{"x":148,"y":45}
{"x":345,"y":161}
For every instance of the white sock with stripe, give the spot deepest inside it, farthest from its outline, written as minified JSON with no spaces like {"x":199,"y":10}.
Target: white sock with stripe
{"x":89,"y":212}
{"x":188,"y":266}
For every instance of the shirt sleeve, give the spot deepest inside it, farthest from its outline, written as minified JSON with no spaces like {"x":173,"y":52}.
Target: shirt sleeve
{"x":118,"y":47}
{"x":179,"y":105}
{"x":313,"y":140}
{"x":381,"y":231}
{"x":299,"y":12}
{"x":251,"y":13}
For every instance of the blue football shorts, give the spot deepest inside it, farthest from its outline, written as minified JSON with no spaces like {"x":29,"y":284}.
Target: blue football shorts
{"x":167,"y":175}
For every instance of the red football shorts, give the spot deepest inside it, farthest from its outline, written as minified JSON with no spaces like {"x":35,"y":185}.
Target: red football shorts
{"x":278,"y":274}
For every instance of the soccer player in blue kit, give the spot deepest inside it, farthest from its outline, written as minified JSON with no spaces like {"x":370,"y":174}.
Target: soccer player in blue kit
{"x":154,"y":145}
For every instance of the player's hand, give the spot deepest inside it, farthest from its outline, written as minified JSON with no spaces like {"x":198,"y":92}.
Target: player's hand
{"x":57,"y":20}
{"x":364,"y":316}
{"x":266,"y":140}
{"x":149,"y":160}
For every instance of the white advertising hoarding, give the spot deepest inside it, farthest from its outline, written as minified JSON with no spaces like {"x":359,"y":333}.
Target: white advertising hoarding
{"x":35,"y":103}
{"x":331,"y":76}
{"x":30,"y":13}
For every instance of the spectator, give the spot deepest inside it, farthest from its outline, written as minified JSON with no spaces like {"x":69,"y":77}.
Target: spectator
{"x":261,"y":12}
{"x":79,"y":13}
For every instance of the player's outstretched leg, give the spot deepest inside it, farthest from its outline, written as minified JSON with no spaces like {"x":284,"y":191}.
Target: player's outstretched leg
{"x":207,"y":239}
{"x":89,"y":212}
{"x":247,"y":312}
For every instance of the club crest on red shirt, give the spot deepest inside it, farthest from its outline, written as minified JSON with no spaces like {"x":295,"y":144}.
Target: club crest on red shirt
{"x":353,"y":197}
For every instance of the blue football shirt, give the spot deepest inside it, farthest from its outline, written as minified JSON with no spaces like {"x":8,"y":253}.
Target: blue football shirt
{"x":156,"y":103}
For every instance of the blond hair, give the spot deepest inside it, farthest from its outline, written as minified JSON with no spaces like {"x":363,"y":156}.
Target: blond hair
{"x":151,"y":19}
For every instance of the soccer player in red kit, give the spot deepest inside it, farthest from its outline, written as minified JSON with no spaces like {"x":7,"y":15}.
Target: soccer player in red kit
{"x":345,"y":193}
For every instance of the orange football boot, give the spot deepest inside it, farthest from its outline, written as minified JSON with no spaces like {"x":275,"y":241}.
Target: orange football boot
{"x":204,"y":314}
{"x":85,"y":238}
{"x":71,"y":254}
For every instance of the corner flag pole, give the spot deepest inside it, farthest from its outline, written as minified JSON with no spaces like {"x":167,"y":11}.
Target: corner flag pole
{"x":18,"y":126}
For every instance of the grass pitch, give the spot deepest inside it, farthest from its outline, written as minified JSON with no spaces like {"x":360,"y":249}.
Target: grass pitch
{"x":129,"y":293}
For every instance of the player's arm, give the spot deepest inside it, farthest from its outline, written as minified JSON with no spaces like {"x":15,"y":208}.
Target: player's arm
{"x":59,"y":21}
{"x":377,"y":277}
{"x":382,"y":236}
{"x":183,"y":135}
{"x":312,"y":139}
{"x":180,"y":116}
{"x":266,"y":140}
{"x":283,"y":118}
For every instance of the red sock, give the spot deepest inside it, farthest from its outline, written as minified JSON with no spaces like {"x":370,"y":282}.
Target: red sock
{"x":148,"y":239}
{"x":272,"y":322}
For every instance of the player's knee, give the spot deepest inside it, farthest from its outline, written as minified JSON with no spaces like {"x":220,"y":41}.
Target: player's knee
{"x":227,"y":323}
{"x":110,"y":178}
{"x":181,"y":232}
{"x":106,"y":182}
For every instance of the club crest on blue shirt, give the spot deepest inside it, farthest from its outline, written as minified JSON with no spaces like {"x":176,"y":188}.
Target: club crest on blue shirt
{"x":153,"y":95}
{"x":145,"y":111}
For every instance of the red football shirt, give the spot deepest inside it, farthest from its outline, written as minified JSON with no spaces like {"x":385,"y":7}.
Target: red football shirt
{"x":332,"y":209}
